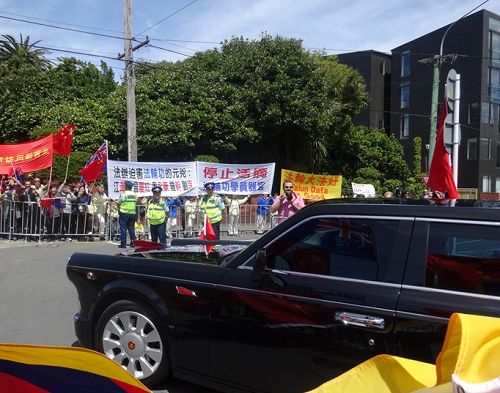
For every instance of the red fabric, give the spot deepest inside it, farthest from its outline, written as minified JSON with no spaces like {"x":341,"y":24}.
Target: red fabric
{"x":63,"y":140}
{"x":11,"y":383}
{"x":441,"y":175}
{"x":28,"y":157}
{"x":46,"y":202}
{"x":208,"y":233}
{"x":95,"y":165}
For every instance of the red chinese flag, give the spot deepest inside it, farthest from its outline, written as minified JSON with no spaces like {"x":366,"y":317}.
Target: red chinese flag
{"x":440,"y":174}
{"x":63,"y":140}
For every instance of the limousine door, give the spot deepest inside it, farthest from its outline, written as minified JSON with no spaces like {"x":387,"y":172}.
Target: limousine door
{"x":324,"y":303}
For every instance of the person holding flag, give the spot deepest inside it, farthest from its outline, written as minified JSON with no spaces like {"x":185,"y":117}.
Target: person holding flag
{"x":95,"y":165}
{"x":211,"y":206}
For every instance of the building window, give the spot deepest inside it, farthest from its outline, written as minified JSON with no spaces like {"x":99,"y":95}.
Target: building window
{"x":497,"y":184}
{"x":405,"y":95}
{"x":495,"y":49}
{"x":405,"y":127}
{"x":473,"y":115}
{"x":382,"y":67}
{"x":472,"y":149}
{"x":486,"y":183}
{"x":498,"y":157}
{"x":405,"y":64}
{"x":495,"y":84}
{"x":485,"y":149}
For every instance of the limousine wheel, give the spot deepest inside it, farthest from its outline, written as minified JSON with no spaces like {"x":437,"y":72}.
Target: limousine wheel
{"x":133,"y":336}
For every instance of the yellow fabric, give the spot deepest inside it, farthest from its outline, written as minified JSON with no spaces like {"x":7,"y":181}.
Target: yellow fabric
{"x":465,"y":336}
{"x":69,"y":357}
{"x":471,"y":352}
{"x":382,"y":374}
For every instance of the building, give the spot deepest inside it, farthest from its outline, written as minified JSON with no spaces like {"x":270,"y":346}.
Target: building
{"x":475,"y":40}
{"x":375,"y":68}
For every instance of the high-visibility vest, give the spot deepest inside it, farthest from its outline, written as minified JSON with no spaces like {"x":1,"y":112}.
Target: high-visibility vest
{"x":128,"y":203}
{"x":156,"y":211}
{"x":210,"y":207}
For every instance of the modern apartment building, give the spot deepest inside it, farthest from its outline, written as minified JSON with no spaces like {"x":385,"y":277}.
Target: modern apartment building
{"x":475,"y":40}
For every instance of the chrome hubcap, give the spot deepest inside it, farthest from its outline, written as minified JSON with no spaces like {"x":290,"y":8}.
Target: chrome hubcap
{"x":133,"y":341}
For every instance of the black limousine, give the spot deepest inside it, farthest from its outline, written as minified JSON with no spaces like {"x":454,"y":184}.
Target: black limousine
{"x":330,"y":287}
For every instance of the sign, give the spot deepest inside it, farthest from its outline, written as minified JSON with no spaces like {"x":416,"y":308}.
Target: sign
{"x":236,"y":179}
{"x":315,"y":187}
{"x":28,"y":156}
{"x":363,"y":189}
{"x":174,"y":178}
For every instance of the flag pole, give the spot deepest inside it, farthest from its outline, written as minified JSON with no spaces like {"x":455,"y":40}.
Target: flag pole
{"x":67,"y":168}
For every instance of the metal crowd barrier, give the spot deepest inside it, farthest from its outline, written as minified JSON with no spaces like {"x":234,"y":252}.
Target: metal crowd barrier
{"x":33,"y":222}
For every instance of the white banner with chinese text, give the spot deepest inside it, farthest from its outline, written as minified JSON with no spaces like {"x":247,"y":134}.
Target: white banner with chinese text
{"x":175,"y":178}
{"x":237,"y":179}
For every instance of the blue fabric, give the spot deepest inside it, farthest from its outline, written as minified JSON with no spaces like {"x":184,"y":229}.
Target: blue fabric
{"x":127,"y":222}
{"x":159,"y":232}
{"x":263,"y":206}
{"x":173,"y":204}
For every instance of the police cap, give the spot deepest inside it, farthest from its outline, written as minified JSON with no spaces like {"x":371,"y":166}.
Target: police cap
{"x":129,"y":184}
{"x":156,"y":189}
{"x":209,"y":186}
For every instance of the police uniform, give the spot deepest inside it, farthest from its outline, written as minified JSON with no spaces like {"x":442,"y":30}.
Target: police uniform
{"x":157,"y":215}
{"x":127,"y":208}
{"x":212,"y":206}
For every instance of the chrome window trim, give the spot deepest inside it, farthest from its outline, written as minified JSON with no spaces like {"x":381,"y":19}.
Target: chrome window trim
{"x":455,"y":221}
{"x":370,"y":217}
{"x":332,"y":278}
{"x":448,"y":291}
{"x":413,"y":315}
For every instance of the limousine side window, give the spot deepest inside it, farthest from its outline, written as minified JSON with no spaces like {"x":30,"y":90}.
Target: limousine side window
{"x":340,"y":247}
{"x":464,"y":258}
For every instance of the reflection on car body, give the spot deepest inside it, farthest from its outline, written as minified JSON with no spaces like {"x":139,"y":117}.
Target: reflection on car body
{"x":327,"y":289}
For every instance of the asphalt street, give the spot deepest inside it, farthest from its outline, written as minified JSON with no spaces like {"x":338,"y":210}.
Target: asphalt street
{"x":37,"y":301}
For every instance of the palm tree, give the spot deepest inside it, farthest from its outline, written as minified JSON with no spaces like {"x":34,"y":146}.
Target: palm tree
{"x":23,"y":52}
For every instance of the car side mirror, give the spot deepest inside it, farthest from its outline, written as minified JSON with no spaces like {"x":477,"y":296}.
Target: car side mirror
{"x":259,"y":264}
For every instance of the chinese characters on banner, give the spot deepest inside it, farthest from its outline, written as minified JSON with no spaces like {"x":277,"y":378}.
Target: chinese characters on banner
{"x":27,"y":157}
{"x":316,"y":187}
{"x":236,"y":179}
{"x":174,"y":178}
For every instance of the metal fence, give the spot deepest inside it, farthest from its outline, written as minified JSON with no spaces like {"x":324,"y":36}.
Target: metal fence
{"x":33,"y":222}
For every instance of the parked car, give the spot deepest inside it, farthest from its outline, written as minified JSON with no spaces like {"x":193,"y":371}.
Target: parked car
{"x":332,"y":286}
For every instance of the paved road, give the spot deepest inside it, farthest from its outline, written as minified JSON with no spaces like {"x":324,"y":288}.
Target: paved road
{"x":37,"y":301}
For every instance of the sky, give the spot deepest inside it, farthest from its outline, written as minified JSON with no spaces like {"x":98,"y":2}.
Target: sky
{"x":179,"y":28}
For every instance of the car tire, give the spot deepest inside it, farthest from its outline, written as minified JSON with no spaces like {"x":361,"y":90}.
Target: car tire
{"x":131,"y":334}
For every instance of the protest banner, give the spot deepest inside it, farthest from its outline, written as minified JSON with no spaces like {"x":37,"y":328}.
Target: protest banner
{"x":315,"y":187}
{"x":27,"y":157}
{"x":236,"y":179}
{"x":367,"y":190}
{"x":174,"y":178}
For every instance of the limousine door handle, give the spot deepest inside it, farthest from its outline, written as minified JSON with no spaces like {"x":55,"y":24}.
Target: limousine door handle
{"x":366,"y":321}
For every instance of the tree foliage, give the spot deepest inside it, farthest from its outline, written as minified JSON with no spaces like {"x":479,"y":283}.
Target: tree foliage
{"x":265,"y":100}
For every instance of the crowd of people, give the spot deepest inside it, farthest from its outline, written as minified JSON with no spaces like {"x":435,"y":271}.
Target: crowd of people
{"x":35,"y":208}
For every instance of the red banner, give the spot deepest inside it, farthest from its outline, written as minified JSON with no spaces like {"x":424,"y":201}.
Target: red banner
{"x":28,"y":156}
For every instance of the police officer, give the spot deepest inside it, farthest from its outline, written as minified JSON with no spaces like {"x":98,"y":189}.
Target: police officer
{"x":157,"y":214}
{"x":127,"y":205}
{"x":212,"y":205}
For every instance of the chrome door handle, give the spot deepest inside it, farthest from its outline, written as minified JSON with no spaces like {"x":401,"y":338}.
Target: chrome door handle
{"x":366,"y":321}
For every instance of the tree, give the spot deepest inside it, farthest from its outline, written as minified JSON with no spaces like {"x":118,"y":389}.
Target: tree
{"x":22,"y":52}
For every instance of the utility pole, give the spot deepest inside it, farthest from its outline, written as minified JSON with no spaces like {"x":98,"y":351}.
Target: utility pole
{"x":437,"y":61}
{"x":130,"y":80}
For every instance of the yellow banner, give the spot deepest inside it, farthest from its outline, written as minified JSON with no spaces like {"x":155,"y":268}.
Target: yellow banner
{"x":310,"y":186}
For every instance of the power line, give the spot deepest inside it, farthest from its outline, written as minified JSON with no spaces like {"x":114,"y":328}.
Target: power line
{"x":169,"y":50}
{"x":61,"y":28}
{"x":168,"y":16}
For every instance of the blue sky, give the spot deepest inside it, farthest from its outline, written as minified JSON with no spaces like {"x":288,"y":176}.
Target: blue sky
{"x":338,"y":26}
